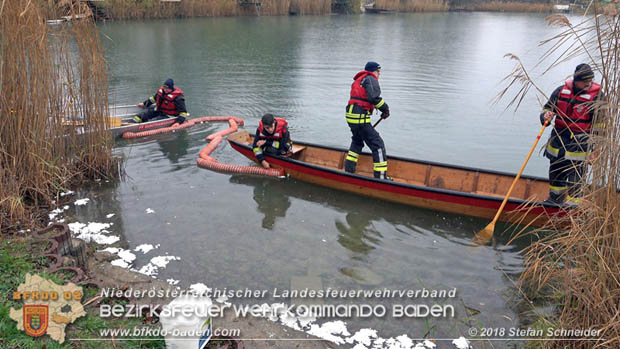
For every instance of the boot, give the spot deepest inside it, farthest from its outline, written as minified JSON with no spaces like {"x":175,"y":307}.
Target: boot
{"x":349,"y":166}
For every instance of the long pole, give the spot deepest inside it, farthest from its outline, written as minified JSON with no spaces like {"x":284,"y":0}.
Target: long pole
{"x":486,"y":234}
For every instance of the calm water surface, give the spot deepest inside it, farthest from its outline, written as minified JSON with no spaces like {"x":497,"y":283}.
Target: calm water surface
{"x":440,"y":73}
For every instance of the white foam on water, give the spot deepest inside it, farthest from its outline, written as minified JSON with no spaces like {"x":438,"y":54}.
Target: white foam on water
{"x":81,"y":202}
{"x":152,"y":268}
{"x":330,"y":331}
{"x":199,"y":288}
{"x":162,"y":261}
{"x":93,"y":231}
{"x":149,"y":210}
{"x":363,"y":337}
{"x":120,"y":263}
{"x":127,"y":256}
{"x":110,"y":215}
{"x":112,"y":250}
{"x":144,"y":248}
{"x":222,"y":299}
{"x":148,"y":269}
{"x":461,"y":343}
{"x":56,"y":212}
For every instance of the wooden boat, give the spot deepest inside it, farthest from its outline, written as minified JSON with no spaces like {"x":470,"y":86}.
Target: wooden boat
{"x":455,"y":189}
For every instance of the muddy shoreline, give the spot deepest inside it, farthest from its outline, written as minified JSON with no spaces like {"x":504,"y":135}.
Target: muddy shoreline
{"x":111,"y":276}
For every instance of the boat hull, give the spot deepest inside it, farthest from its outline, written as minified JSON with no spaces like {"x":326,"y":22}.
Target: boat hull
{"x":126,"y":114}
{"x":117,"y":132}
{"x":464,"y":203}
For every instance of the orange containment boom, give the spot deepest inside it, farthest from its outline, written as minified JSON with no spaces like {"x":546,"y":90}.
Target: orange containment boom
{"x":176,"y":126}
{"x":206,"y":161}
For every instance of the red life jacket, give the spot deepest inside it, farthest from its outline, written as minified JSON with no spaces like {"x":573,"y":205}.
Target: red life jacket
{"x":165,"y":102}
{"x":574,"y":111}
{"x":277,"y":133}
{"x":358,"y":92}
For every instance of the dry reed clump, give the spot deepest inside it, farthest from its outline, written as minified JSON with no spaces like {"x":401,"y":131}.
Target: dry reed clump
{"x":147,"y":9}
{"x":576,"y":265}
{"x":413,"y":5}
{"x":511,"y":6}
{"x":48,"y":74}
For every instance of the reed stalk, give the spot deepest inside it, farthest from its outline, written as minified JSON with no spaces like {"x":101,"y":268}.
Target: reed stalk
{"x":511,"y":6}
{"x":413,"y":5}
{"x":576,"y":264}
{"x":148,"y":9}
{"x":49,"y":75}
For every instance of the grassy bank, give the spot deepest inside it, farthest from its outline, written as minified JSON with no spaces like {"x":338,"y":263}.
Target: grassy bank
{"x":15,"y":262}
{"x":575,"y":267}
{"x":49,"y":75}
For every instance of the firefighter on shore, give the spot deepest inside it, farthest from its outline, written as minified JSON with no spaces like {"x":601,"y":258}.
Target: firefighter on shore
{"x":365,"y":97}
{"x":271,"y":138}
{"x":168,"y":101}
{"x":573,"y":105}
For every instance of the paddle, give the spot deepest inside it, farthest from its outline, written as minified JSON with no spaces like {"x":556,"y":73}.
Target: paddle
{"x":486,"y":234}
{"x":377,"y":123}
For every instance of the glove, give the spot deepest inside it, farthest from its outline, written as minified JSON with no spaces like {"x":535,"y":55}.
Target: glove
{"x":385,"y":114}
{"x":180,"y":119}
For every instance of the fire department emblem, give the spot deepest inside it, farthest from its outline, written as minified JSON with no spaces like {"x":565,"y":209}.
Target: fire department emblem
{"x":35,"y":319}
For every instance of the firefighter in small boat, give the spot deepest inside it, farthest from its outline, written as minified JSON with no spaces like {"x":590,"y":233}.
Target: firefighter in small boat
{"x":271,"y":138}
{"x":168,"y":101}
{"x":365,"y":97}
{"x":574,"y":106}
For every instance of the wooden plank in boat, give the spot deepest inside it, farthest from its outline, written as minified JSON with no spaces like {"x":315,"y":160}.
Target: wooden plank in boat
{"x":297,"y":148}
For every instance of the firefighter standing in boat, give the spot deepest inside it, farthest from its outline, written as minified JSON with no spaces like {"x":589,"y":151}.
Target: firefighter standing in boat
{"x":573,"y":106}
{"x":168,"y":101}
{"x":271,"y":138}
{"x":365,"y":97}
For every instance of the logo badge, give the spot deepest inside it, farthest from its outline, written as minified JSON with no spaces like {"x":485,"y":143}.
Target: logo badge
{"x":207,"y":333}
{"x":35,"y":319}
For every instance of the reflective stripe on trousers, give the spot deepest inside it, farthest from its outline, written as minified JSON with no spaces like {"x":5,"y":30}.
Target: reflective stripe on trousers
{"x":352,"y":156}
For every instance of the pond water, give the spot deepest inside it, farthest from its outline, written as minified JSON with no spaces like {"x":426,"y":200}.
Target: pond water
{"x":440,"y":73}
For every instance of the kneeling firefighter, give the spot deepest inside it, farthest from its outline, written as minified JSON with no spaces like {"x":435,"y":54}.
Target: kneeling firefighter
{"x":271,"y":138}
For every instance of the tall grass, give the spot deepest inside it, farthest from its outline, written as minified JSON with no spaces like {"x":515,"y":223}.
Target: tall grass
{"x":48,"y":74}
{"x":143,"y":9}
{"x":412,"y":5}
{"x":576,"y":265}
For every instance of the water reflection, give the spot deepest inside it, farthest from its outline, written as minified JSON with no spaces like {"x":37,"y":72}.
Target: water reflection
{"x":358,"y":231}
{"x":270,"y":200}
{"x":358,"y":234}
{"x":174,"y":147}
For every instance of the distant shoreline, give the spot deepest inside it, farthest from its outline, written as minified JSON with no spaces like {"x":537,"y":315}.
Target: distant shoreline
{"x":155,"y":9}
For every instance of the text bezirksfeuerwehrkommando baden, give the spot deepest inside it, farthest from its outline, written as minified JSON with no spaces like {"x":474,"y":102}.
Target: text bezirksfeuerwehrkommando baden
{"x":284,"y":293}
